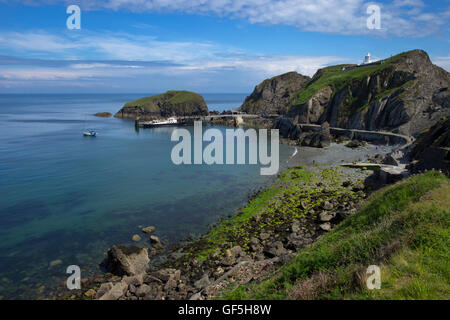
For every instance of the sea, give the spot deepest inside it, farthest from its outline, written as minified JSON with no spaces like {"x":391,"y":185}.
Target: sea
{"x":65,"y":198}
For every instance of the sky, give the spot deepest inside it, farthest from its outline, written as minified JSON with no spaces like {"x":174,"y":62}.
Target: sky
{"x":207,"y":46}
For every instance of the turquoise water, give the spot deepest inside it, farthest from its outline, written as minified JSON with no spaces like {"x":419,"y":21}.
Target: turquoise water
{"x":68,"y":197}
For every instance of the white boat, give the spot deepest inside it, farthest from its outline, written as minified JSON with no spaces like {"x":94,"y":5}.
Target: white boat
{"x":90,"y":133}
{"x":164,"y":122}
{"x":157,"y":123}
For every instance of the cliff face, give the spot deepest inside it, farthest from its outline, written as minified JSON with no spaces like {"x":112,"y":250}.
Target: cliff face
{"x":432,"y":148}
{"x":273,"y":95}
{"x":171,"y":103}
{"x":404,"y":94}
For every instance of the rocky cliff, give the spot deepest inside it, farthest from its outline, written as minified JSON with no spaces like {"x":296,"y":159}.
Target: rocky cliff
{"x":273,"y":95}
{"x":171,"y":103}
{"x":404,"y":94}
{"x":432,"y":149}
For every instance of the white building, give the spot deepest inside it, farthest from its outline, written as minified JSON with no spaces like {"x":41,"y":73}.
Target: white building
{"x":367,"y":59}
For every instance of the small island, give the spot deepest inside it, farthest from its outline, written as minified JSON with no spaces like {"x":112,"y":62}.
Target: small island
{"x":103,"y":114}
{"x":168,"y":104}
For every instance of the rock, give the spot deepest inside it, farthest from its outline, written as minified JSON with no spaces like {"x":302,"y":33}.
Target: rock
{"x":90,"y":293}
{"x":431,"y":150}
{"x":359,"y":187}
{"x":54,"y":263}
{"x":326,"y":216}
{"x":104,"y":287}
{"x":236,"y":251}
{"x":148,"y":229}
{"x":143,"y":290}
{"x":103,"y":114}
{"x":303,"y":205}
{"x":327,"y":205}
{"x":154,"y":240}
{"x":219,"y":271}
{"x":254,"y":241}
{"x":228,"y":261}
{"x":273,"y":95}
{"x":264,"y":236}
{"x":325,"y":226}
{"x":122,"y":260}
{"x":202,"y":283}
{"x":196,"y":296}
{"x":136,"y":238}
{"x":163,"y":275}
{"x":169,"y":104}
{"x":355,"y":144}
{"x":117,"y":291}
{"x":295,"y":227}
{"x":390,"y":160}
{"x":386,"y":98}
{"x":275,"y":249}
{"x":135,"y":280}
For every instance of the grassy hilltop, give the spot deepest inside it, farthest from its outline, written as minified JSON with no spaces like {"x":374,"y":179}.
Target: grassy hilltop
{"x":170,"y":103}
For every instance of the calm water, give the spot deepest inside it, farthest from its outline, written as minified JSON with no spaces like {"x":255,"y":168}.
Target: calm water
{"x":68,"y":197}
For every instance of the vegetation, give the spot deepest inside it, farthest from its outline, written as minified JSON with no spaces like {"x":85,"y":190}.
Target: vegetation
{"x":338,"y":79}
{"x":404,"y":228}
{"x":297,"y":192}
{"x":172,"y":97}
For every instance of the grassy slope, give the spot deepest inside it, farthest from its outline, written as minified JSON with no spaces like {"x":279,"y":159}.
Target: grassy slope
{"x":173,"y":97}
{"x":337,"y":79}
{"x":404,"y":228}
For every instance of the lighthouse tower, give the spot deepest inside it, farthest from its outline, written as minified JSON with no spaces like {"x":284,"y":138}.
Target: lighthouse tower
{"x":367,"y":59}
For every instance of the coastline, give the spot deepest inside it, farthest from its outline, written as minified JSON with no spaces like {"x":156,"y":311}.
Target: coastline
{"x":188,"y":261}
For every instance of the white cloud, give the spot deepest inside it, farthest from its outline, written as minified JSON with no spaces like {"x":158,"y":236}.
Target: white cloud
{"x":131,"y":49}
{"x":404,"y":18}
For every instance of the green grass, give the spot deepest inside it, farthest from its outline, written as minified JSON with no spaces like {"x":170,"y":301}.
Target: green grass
{"x":404,"y":228}
{"x":337,"y":79}
{"x":291,"y":197}
{"x":173,"y":97}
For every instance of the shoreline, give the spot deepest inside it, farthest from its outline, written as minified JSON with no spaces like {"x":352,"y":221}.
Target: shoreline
{"x":191,"y":270}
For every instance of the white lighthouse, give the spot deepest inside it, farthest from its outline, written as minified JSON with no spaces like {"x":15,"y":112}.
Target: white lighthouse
{"x":367,"y":59}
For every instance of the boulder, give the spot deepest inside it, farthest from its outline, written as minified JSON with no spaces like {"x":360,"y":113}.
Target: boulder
{"x":326,"y":205}
{"x":122,"y":260}
{"x":202,"y":283}
{"x":136,"y":238}
{"x":275,"y":249}
{"x":148,"y":229}
{"x":325,"y":226}
{"x":326,"y":216}
{"x":143,"y":290}
{"x":115,"y":292}
{"x":389,"y":159}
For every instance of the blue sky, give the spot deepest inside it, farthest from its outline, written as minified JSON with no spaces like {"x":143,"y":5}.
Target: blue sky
{"x":207,"y":46}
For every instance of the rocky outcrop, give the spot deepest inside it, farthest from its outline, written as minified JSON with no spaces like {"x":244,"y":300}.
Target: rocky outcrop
{"x":103,"y":114}
{"x":320,"y":137}
{"x":403,"y":94}
{"x":432,"y":149}
{"x":122,"y":260}
{"x":272,"y":96}
{"x":171,"y":103}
